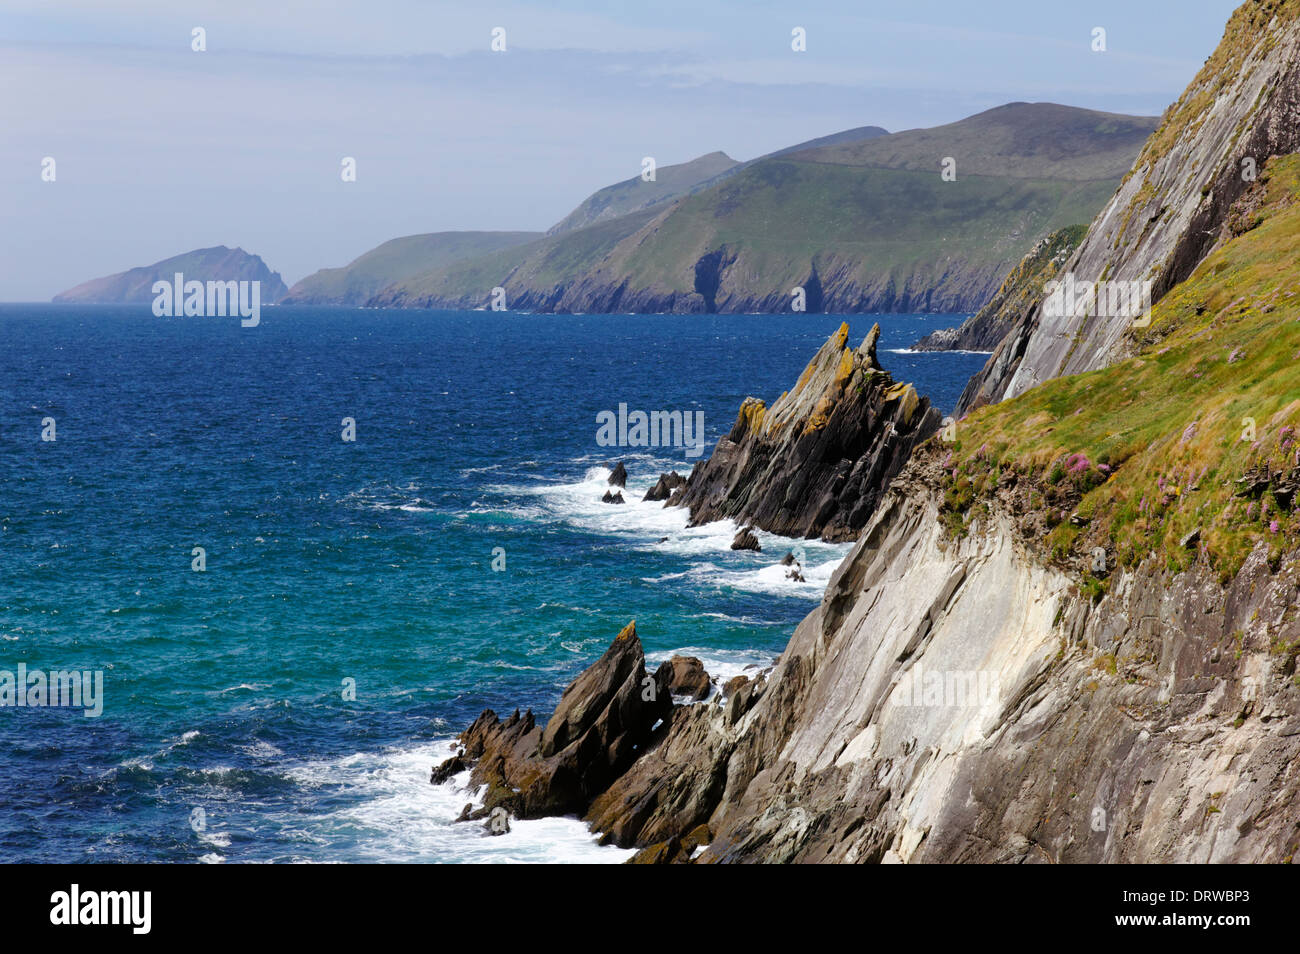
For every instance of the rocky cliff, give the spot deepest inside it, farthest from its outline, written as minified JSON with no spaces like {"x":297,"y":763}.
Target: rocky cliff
{"x":818,"y":461}
{"x":1172,"y":209}
{"x":959,"y":699}
{"x":1069,"y":629}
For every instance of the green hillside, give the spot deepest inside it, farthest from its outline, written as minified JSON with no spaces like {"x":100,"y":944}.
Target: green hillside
{"x":394,"y":261}
{"x":866,"y":224}
{"x":635,"y":194}
{"x":1189,"y":445}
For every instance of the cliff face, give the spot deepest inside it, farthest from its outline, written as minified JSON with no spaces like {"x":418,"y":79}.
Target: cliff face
{"x":1019,"y":290}
{"x":1157,"y":725}
{"x":1172,"y":209}
{"x":818,"y":461}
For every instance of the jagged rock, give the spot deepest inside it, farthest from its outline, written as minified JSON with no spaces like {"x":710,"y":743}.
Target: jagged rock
{"x":796,"y":574}
{"x":688,"y":677}
{"x":730,"y":687}
{"x":1191,"y":539}
{"x":664,"y":487}
{"x":612,"y":498}
{"x":746,"y":540}
{"x":618,"y":476}
{"x":788,"y":559}
{"x":741,"y":700}
{"x":453,"y":766}
{"x":818,"y":462}
{"x":603,"y":719}
{"x":673,"y":787}
{"x":676,"y":850}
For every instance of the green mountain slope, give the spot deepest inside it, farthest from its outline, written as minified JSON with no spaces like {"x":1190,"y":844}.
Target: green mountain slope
{"x":395,"y":260}
{"x":864,"y":225}
{"x":635,"y":194}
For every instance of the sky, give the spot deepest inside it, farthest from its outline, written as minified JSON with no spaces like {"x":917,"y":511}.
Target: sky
{"x":160,"y":149}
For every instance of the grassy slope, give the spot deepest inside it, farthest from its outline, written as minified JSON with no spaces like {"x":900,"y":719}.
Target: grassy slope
{"x":398,"y":259}
{"x":542,"y":263}
{"x":785,"y":213}
{"x":635,"y":194}
{"x":1019,"y":140}
{"x":1162,"y":433}
{"x":843,"y":207}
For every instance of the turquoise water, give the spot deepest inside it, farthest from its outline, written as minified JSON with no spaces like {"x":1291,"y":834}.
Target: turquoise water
{"x":370,"y":560}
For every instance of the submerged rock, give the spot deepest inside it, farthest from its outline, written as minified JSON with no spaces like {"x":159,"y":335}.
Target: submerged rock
{"x":612,"y":498}
{"x":746,"y":540}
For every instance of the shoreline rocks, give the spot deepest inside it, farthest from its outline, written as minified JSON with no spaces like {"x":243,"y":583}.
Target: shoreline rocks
{"x":605,"y":717}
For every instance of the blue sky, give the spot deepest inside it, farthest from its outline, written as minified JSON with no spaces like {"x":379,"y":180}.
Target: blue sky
{"x":160,"y":149}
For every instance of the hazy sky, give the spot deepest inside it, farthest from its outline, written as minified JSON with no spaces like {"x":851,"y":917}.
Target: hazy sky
{"x":160,"y":149}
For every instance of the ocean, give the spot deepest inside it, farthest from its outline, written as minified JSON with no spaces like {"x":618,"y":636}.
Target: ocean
{"x":286,"y":702}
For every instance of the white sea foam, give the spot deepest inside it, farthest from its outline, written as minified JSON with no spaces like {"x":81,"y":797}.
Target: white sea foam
{"x":399,"y":816}
{"x":650,"y":526}
{"x":945,"y":351}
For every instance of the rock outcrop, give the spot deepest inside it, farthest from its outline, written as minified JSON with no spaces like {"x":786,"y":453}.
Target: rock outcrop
{"x":664,"y":486}
{"x":605,"y":717}
{"x":1174,"y":207}
{"x":818,"y":461}
{"x":689,"y":678}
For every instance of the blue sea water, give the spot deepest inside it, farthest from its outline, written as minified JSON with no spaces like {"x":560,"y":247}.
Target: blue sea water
{"x":370,"y":560}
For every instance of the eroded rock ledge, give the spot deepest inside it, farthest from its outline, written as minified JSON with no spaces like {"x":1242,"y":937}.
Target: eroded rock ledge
{"x":817,"y":463}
